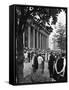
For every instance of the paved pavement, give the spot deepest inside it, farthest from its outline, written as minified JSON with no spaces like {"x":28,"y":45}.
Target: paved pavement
{"x":38,"y":76}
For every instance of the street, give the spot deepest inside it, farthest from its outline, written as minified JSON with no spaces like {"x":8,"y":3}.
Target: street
{"x":37,"y":76}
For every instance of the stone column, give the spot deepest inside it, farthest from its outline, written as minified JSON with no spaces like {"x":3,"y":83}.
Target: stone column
{"x":24,"y":39}
{"x":33,"y":38}
{"x":40,"y":40}
{"x":29,"y":31}
{"x":47,"y":42}
{"x":37,"y":39}
{"x":43,"y":41}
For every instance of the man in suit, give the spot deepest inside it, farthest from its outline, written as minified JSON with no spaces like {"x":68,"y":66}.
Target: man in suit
{"x":51,"y":64}
{"x":34,"y":62}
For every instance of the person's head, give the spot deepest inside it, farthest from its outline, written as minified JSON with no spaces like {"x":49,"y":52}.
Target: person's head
{"x":43,"y":55}
{"x":24,"y":51}
{"x":63,"y":54}
{"x":39,"y":54}
{"x":51,"y":53}
{"x":34,"y":53}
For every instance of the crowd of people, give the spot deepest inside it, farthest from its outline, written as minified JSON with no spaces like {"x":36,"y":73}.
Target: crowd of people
{"x":56,"y":62}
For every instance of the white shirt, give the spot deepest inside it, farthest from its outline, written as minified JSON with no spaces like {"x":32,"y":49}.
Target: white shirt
{"x":40,"y":59}
{"x":26,"y":55}
{"x":33,"y":60}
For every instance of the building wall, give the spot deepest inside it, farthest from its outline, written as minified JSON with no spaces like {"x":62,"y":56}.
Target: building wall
{"x":34,"y":38}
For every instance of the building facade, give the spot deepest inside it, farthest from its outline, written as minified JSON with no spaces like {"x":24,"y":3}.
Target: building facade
{"x":35,"y":36}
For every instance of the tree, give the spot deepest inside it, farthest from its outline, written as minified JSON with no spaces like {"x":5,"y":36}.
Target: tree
{"x":60,"y":37}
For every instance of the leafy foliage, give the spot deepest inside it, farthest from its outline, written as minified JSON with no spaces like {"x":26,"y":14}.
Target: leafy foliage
{"x":60,"y":37}
{"x":41,"y":14}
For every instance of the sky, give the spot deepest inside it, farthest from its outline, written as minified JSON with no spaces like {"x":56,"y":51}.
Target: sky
{"x":61,"y":18}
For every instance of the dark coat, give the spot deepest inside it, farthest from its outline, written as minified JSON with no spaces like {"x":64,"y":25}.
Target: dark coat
{"x":51,"y":62}
{"x":35,"y":65}
{"x":60,"y":64}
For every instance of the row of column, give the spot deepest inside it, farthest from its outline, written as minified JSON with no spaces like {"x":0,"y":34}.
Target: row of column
{"x":41,"y":40}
